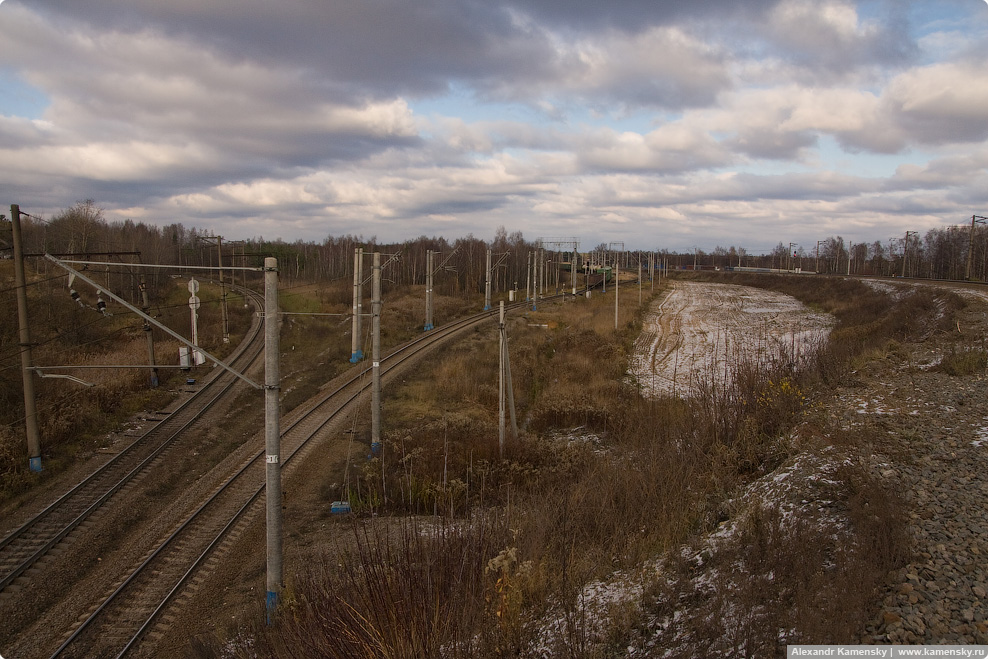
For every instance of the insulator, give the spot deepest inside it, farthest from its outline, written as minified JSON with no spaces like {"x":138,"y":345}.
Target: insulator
{"x":101,"y":306}
{"x":75,"y":296}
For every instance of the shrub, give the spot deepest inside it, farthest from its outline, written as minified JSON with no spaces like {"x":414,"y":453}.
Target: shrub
{"x":966,"y":361}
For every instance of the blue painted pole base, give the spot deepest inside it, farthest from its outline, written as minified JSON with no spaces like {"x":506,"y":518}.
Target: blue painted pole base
{"x":271,"y":604}
{"x":487,"y":307}
{"x":375,"y":448}
{"x":356,"y":357}
{"x":35,"y":463}
{"x":429,"y":327}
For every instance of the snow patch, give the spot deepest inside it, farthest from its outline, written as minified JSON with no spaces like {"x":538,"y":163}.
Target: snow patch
{"x":701,"y":331}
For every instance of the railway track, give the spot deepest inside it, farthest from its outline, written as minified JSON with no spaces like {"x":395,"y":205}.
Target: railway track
{"x":23,"y":547}
{"x":116,"y":626}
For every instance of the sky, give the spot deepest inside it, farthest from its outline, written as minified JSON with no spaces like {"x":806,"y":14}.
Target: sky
{"x":660,"y":125}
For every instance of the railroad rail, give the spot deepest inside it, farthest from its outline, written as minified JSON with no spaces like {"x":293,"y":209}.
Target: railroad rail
{"x":23,"y":547}
{"x":116,"y":626}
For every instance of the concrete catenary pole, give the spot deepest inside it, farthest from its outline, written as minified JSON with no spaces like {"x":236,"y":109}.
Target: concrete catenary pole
{"x":146,"y":308}
{"x":500,"y":380}
{"x":535,"y":276}
{"x":544,"y":279}
{"x":24,"y":334}
{"x":970,"y":248}
{"x":487,"y":284}
{"x":356,"y":354}
{"x":539,"y":270}
{"x":905,"y":250}
{"x":509,"y":387}
{"x":226,"y":317}
{"x":616,"y":288}
{"x":572,"y":270}
{"x":528,"y":279}
{"x":376,"y":359}
{"x":429,"y":257}
{"x":272,"y":436}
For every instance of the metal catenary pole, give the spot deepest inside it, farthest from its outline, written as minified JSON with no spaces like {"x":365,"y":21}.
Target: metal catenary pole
{"x":376,"y":359}
{"x":24,"y":340}
{"x":272,"y":436}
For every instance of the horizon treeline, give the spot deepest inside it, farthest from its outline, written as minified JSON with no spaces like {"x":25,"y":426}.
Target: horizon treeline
{"x":83,"y":231}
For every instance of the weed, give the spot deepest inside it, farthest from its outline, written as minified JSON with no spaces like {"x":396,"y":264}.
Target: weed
{"x":448,"y":579}
{"x":966,"y":361}
{"x":657,"y":476}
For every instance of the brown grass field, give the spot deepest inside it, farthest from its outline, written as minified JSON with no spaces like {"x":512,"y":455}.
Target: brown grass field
{"x":457,"y":551}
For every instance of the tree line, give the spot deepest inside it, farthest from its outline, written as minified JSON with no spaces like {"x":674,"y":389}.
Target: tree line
{"x":83,"y":232}
{"x":955,"y":253}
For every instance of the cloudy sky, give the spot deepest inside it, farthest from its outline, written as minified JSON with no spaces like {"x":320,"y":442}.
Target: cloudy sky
{"x":654,"y":123}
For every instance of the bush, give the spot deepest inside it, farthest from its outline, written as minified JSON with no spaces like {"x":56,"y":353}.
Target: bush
{"x":967,"y":361}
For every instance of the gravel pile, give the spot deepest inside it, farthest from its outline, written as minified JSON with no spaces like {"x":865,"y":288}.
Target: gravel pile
{"x":937,"y":460}
{"x":942,"y":595}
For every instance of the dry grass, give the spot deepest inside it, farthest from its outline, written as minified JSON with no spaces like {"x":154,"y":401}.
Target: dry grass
{"x":74,"y":420}
{"x":965,"y":361}
{"x":778,"y":578}
{"x":650,"y":477}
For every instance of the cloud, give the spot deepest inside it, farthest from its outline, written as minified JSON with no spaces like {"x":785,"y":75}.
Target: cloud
{"x":942,"y":103}
{"x":661,"y":67}
{"x":633,"y":15}
{"x":378,"y":47}
{"x":675,"y":147}
{"x":659,"y":120}
{"x":830,"y":37}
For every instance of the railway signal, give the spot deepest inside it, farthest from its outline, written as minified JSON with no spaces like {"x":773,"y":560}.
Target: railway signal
{"x":194,"y":303}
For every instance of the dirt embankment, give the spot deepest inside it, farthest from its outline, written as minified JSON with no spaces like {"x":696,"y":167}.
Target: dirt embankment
{"x":920,"y":430}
